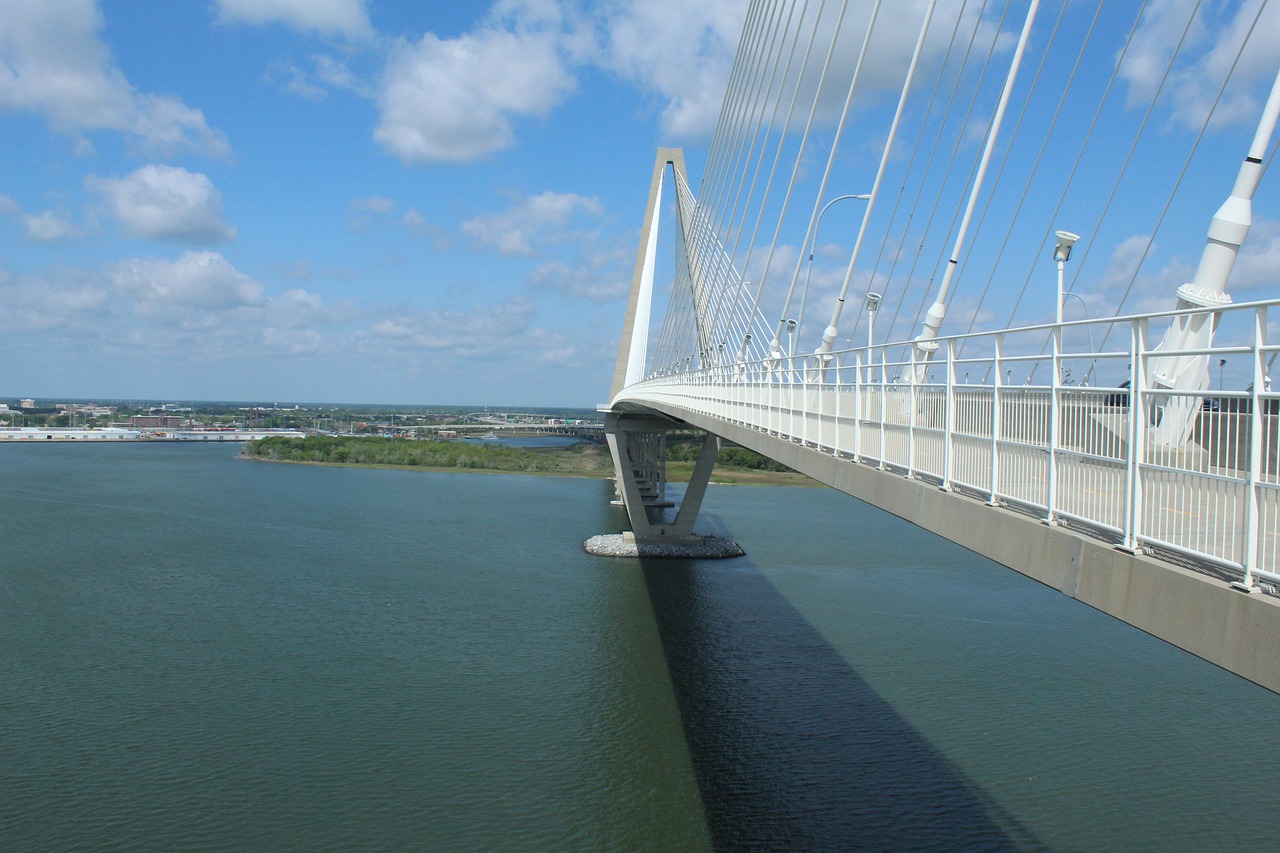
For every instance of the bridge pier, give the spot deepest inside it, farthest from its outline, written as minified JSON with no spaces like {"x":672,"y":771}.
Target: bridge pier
{"x":638,"y":445}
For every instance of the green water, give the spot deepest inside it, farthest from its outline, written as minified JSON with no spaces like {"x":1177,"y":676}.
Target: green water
{"x":200,"y":652}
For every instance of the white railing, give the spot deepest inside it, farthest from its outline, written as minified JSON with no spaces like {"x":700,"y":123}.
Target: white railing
{"x":1018,"y":418}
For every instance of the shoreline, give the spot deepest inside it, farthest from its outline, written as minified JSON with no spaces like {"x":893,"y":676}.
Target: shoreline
{"x":729,"y":477}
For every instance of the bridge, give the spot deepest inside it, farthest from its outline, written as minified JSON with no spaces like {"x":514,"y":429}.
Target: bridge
{"x":1090,"y":454}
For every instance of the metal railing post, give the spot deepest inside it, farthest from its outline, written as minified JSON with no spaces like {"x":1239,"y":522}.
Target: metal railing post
{"x":858,"y":406}
{"x":911,"y":417}
{"x":996,"y":387}
{"x":821,"y":381}
{"x":1137,"y":436}
{"x":948,"y":415}
{"x":884,"y":374}
{"x":1055,"y":386}
{"x":1257,"y":439}
{"x":835,"y":416}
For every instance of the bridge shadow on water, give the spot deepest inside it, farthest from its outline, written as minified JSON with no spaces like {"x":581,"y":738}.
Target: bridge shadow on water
{"x":791,"y":748}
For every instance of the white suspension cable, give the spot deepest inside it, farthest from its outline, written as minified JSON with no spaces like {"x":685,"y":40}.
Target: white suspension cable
{"x":832,"y":331}
{"x":925,"y":343}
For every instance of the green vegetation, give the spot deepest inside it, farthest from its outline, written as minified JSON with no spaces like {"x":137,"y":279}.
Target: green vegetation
{"x":734,"y":465}
{"x":361,"y":450}
{"x":682,"y":448}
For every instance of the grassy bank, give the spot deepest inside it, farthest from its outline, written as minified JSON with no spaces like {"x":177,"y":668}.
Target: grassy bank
{"x":735,"y":465}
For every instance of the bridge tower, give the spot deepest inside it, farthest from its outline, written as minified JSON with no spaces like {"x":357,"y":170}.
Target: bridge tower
{"x":637,"y":436}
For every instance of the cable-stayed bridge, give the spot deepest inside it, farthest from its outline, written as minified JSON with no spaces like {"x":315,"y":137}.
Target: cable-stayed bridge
{"x":1111,"y":456}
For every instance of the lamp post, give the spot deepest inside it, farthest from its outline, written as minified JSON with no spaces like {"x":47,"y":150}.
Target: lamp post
{"x":1085,"y":306}
{"x":814,"y":243}
{"x":1062,"y":254}
{"x":873,"y":303}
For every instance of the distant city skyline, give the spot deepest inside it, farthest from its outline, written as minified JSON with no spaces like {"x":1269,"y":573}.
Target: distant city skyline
{"x":368,"y":201}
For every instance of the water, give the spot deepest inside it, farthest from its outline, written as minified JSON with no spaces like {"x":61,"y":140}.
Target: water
{"x":203,"y":652}
{"x":526,"y":441}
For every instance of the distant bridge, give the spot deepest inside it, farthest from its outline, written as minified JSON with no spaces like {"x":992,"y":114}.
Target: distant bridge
{"x":1085,"y":454}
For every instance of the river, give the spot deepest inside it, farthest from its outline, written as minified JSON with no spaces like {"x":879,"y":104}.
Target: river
{"x":202,"y":652}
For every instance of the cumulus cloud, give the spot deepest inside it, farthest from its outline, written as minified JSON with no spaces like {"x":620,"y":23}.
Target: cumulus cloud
{"x":374,"y":203}
{"x":310,"y":83}
{"x":47,"y":227}
{"x":363,"y":210}
{"x":1258,"y":265}
{"x":454,"y":100}
{"x":160,"y":202}
{"x":418,"y":224}
{"x":67,"y":300}
{"x":53,"y":63}
{"x":678,"y":51}
{"x":1213,"y":41}
{"x":293,"y":80}
{"x":583,"y":280}
{"x":529,"y":220}
{"x":449,"y":331}
{"x":345,"y":18}
{"x":197,"y":280}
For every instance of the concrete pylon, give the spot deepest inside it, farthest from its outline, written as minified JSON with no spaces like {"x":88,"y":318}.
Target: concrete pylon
{"x":638,"y":440}
{"x":633,"y":347}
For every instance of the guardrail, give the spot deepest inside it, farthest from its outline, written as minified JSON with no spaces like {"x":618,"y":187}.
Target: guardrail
{"x":1020,"y":418}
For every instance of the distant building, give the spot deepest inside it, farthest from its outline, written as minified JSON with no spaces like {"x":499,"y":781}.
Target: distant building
{"x":157,"y":422}
{"x":26,"y":404}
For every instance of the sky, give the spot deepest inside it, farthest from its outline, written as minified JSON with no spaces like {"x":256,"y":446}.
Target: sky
{"x":335,"y":200}
{"x":371,"y":201}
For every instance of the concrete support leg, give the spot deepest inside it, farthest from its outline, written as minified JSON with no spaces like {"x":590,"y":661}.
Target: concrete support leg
{"x":697,"y":489}
{"x":638,"y":446}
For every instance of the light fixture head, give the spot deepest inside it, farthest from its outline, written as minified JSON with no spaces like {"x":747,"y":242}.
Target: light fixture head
{"x":1062,"y":251}
{"x":873,"y":300}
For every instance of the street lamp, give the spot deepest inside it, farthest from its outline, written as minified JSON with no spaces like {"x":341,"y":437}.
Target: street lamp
{"x":1092,"y":349}
{"x":873,"y":303}
{"x":804,"y":297}
{"x":1062,"y":254}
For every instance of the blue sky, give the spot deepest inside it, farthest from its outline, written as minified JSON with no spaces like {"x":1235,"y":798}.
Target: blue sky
{"x":334,"y":199}
{"x":438,"y":203}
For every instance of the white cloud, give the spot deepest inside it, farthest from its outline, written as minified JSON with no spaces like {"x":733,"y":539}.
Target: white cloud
{"x":1211,"y":46}
{"x":52,"y":62}
{"x":298,"y":308}
{"x":528,"y":221}
{"x":679,"y":51}
{"x":47,"y":227}
{"x":1258,"y":264}
{"x":682,"y":53}
{"x":454,"y":100}
{"x":421,"y":226}
{"x":374,"y":203}
{"x":196,"y":280}
{"x":363,"y":211}
{"x":326,"y":71}
{"x":65,"y":301}
{"x":336,"y":73}
{"x":346,"y":18}
{"x":293,"y":80}
{"x":581,"y":280}
{"x":160,"y":202}
{"x":445,"y":332}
